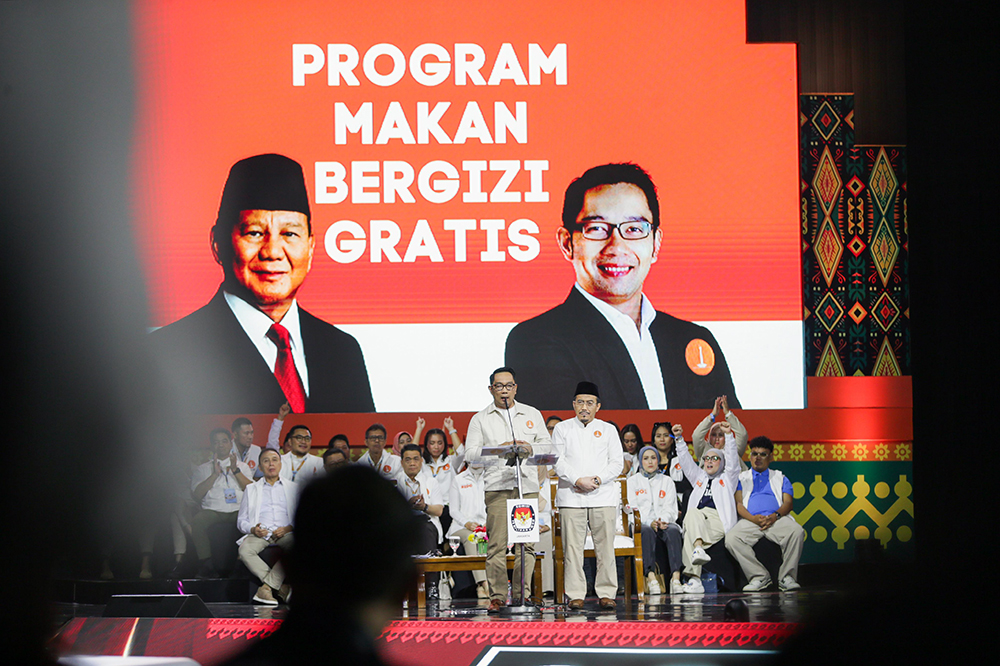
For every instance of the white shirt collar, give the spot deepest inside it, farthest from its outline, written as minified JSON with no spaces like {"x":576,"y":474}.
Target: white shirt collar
{"x":514,"y":408}
{"x":256,"y":324}
{"x":647,"y":312}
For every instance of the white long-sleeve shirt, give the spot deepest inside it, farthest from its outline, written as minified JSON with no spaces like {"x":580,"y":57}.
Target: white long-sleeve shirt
{"x":655,"y":498}
{"x":271,"y":506}
{"x":422,"y":484}
{"x":723,"y":486}
{"x":389,"y":465}
{"x":467,"y":500}
{"x":301,"y":470}
{"x":593,"y":449}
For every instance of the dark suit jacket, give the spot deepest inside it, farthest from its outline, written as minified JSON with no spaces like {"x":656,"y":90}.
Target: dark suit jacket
{"x":216,"y":369}
{"x":573,"y":342}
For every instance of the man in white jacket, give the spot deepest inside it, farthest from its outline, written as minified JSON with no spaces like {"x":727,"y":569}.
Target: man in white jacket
{"x":506,"y":422}
{"x":590,"y":459}
{"x":265,"y":519}
{"x":764,"y":503}
{"x":711,"y":509}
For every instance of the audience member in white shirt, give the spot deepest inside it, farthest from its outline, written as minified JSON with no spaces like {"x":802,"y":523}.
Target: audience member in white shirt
{"x":218,"y":487}
{"x":265,"y":518}
{"x":383,"y":462}
{"x":653,"y":494}
{"x":422,"y":492}
{"x":299,"y":465}
{"x":467,"y":504}
{"x":631,"y":443}
{"x":439,"y":464}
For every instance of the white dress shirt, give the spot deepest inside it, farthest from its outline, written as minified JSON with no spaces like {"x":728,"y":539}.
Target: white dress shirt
{"x":215,"y":498}
{"x":389,"y":465}
{"x":256,"y":324}
{"x":422,"y":484}
{"x":639,"y":344}
{"x":593,"y":449}
{"x":301,"y":470}
{"x":467,"y":500}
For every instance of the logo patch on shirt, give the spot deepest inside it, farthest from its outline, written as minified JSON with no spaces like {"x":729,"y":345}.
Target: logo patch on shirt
{"x":663,"y":493}
{"x":700,"y":357}
{"x":387,"y":468}
{"x":251,"y":464}
{"x":597,"y":433}
{"x":531,"y":424}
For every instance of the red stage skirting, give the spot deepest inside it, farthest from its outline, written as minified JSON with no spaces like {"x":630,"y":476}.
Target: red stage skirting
{"x":436,"y":642}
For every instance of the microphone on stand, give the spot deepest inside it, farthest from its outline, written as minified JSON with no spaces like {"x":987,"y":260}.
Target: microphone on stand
{"x":513,"y":436}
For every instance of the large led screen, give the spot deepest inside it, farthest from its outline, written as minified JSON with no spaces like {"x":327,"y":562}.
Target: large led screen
{"x":437,"y":142}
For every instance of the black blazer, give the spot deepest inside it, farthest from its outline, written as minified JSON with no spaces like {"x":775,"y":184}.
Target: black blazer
{"x":215,"y":369}
{"x":573,"y":342}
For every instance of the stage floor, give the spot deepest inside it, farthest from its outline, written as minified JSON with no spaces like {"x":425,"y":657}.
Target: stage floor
{"x":665,"y":629}
{"x":771,"y":607}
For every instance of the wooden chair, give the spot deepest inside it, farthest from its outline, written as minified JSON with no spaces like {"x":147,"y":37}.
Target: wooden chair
{"x":628,"y":544}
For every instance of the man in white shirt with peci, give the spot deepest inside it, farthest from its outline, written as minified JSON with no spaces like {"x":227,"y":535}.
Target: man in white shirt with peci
{"x":590,"y":459}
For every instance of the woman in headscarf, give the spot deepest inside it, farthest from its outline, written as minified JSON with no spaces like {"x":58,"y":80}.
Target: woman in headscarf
{"x":653,"y":494}
{"x":711,"y":507}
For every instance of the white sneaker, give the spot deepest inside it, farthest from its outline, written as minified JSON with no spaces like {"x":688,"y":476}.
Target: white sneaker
{"x":264,"y":596}
{"x":757,"y":584}
{"x":699,"y":556}
{"x":652,"y":584}
{"x":787,"y":584}
{"x":694,"y":586}
{"x":676,"y":587}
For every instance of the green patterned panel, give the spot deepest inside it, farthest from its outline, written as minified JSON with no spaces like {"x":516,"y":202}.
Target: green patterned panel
{"x":840,"y":502}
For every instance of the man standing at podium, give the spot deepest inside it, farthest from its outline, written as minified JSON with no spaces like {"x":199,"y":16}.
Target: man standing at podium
{"x":504,"y":423}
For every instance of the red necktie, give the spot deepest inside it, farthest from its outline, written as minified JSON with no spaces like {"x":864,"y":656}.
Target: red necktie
{"x":284,"y":369}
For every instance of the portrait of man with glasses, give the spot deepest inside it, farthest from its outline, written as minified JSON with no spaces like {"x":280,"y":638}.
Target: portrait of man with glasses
{"x":607,"y":330}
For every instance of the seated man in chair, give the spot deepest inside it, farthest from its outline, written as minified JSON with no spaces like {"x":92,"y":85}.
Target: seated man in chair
{"x":265,"y":518}
{"x":764,"y":503}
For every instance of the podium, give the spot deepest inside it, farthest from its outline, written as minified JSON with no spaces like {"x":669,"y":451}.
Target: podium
{"x":514,"y":454}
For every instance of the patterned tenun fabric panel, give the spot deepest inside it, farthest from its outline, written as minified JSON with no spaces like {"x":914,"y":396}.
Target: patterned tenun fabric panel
{"x":854,"y":246}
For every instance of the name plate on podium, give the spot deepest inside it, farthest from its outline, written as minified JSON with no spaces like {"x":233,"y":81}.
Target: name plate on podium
{"x":522,"y":521}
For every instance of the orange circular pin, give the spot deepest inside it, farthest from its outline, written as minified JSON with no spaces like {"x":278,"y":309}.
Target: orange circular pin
{"x":700,"y":357}
{"x":531,"y":424}
{"x":597,"y":433}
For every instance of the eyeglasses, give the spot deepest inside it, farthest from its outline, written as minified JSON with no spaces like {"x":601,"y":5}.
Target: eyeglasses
{"x":499,"y":387}
{"x":303,"y":438}
{"x":375,"y":438}
{"x":707,"y":458}
{"x":759,"y":454}
{"x":585,"y":403}
{"x":631,"y":230}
